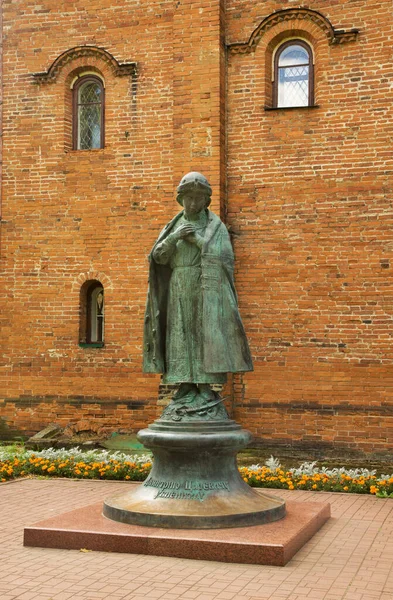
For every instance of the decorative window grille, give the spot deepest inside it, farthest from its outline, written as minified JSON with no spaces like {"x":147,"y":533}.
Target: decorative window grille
{"x":293,"y":75}
{"x":88,"y":113}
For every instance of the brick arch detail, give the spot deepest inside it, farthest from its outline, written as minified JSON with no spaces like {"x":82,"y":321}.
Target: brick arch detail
{"x":288,"y":17}
{"x":84,"y":55}
{"x":303,"y":30}
{"x":281,"y":31}
{"x":90,"y":276}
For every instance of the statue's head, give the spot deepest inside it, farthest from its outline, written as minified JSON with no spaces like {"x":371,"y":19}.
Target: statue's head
{"x":195,"y":182}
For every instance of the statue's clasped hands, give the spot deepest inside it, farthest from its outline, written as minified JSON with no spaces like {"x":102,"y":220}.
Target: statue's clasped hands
{"x":187,"y":232}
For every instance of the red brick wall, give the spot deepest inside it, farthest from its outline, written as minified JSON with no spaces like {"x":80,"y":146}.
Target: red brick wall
{"x":70,"y":216}
{"x":310,"y":194}
{"x":306,"y":193}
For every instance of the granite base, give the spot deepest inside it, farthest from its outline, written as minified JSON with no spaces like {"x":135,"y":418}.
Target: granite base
{"x":268,"y":544}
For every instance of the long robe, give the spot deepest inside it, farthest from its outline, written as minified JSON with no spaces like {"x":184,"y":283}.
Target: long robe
{"x":193,"y":330}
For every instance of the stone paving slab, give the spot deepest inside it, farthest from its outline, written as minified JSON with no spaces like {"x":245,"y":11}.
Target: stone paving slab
{"x":350,"y":558}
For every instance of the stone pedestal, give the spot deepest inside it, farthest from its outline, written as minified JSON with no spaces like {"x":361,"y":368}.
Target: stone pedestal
{"x":268,"y":544}
{"x":194,"y":482}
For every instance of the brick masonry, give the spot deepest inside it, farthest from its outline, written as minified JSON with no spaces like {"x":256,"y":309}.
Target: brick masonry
{"x":306,"y":194}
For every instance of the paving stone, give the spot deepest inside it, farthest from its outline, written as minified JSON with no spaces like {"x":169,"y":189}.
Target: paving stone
{"x":349,"y":559}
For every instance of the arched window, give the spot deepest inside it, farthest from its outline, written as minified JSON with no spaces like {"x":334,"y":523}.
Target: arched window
{"x":92,"y":314}
{"x":293,"y":75}
{"x":88,"y":113}
{"x":95,"y":313}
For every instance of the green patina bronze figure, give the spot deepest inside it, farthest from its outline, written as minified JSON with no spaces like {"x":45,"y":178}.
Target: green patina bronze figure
{"x":194,"y":337}
{"x":193,"y":331}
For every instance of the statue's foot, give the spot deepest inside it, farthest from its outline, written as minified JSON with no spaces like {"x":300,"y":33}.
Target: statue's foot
{"x":206,"y":393}
{"x":184,"y":390}
{"x":195,"y":403}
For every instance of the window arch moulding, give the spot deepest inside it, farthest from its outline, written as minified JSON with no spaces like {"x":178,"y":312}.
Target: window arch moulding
{"x":68,"y":68}
{"x":334,"y":36}
{"x":85,"y":53}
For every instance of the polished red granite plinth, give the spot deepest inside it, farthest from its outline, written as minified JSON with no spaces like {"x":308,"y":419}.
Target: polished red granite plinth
{"x":269,"y":544}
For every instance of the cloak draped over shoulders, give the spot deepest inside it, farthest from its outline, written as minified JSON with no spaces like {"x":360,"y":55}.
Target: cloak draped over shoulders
{"x":193,"y":330}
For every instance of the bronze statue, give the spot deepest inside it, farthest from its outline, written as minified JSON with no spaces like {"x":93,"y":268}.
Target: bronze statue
{"x":194,"y":336}
{"x":193,"y":331}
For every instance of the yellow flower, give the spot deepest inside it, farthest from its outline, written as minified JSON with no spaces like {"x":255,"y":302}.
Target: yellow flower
{"x":345,"y":488}
{"x":127,"y":477}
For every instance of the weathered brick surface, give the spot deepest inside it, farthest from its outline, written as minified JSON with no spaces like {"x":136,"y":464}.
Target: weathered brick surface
{"x":310,"y":208}
{"x":306,"y":193}
{"x":71,"y":216}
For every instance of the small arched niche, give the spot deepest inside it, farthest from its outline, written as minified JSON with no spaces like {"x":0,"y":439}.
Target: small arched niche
{"x":92,"y":314}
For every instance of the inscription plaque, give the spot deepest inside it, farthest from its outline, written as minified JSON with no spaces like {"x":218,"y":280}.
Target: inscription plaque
{"x":187,"y":490}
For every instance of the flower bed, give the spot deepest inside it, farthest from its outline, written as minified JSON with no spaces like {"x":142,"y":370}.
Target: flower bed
{"x":73,"y":463}
{"x":77,"y":464}
{"x":309,"y":477}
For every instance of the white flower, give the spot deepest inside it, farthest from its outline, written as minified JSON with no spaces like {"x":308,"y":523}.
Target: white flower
{"x":273,"y":463}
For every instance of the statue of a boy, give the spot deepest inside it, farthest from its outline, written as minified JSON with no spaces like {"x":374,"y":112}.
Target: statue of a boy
{"x":193,"y":331}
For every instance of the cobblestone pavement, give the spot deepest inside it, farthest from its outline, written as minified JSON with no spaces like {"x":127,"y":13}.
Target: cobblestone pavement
{"x":350,"y":558}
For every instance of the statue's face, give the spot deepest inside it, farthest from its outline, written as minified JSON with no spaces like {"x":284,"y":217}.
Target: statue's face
{"x":194,"y":201}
